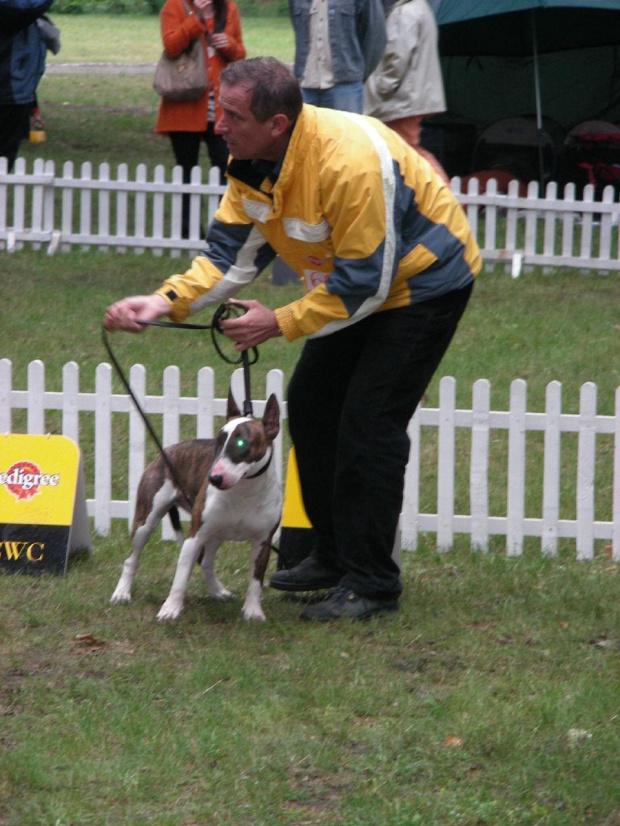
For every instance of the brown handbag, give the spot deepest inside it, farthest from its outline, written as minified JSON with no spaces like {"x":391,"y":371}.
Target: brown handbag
{"x":183,"y":77}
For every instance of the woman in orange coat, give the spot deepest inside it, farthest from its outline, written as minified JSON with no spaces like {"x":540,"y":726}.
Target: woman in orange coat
{"x":218,"y":24}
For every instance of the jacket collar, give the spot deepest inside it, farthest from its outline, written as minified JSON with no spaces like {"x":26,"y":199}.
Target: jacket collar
{"x":254,"y":174}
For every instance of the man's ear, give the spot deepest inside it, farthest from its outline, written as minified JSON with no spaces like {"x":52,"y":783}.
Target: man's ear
{"x":279,"y":125}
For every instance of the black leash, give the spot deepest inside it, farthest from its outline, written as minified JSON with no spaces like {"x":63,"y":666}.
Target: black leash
{"x":222,"y":312}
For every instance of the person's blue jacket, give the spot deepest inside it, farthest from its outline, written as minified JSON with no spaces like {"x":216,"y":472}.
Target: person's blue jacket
{"x":22,"y":50}
{"x":356,"y":37}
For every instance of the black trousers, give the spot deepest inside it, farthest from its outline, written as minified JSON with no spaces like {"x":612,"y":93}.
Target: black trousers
{"x":14,"y":128}
{"x":186,"y":148}
{"x":350,"y":400}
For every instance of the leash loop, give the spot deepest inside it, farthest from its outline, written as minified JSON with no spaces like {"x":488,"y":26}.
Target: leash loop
{"x":247,"y":358}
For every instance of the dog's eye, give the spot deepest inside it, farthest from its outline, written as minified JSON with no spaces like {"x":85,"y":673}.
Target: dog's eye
{"x":240,"y":442}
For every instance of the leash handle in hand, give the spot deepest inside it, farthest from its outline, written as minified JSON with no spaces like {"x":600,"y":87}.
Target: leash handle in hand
{"x":223,"y":312}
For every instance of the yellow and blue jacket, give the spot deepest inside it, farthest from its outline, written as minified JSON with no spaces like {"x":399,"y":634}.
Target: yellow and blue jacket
{"x":355,"y":211}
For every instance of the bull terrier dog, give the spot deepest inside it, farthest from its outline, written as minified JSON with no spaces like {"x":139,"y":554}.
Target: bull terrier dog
{"x":236,"y":496}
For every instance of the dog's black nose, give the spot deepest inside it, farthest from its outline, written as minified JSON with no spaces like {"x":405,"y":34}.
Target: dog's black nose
{"x":216,"y":480}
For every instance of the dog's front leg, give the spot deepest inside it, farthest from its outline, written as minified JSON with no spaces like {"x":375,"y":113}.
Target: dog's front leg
{"x":252,"y":608}
{"x":173,"y":606}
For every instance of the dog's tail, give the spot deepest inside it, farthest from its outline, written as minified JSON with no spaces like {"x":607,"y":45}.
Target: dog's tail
{"x":175,"y":519}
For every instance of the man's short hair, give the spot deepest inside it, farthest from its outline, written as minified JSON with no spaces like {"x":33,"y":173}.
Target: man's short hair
{"x":274,"y":87}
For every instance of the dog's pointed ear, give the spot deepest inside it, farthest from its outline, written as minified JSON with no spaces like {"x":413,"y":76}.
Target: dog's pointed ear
{"x":271,"y":417}
{"x":232,"y":411}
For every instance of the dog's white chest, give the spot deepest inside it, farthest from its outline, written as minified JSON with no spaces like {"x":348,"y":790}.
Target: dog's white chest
{"x":250,"y":510}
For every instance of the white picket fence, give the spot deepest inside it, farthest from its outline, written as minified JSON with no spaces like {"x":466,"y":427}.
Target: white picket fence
{"x":596,"y":441}
{"x":116,"y":212}
{"x":121,"y":214}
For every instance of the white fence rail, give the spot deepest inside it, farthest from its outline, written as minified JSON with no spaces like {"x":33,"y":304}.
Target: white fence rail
{"x":581,"y":503}
{"x":104,"y":211}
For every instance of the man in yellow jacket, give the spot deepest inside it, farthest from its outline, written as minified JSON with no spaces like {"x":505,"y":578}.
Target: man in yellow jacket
{"x":388,"y":260}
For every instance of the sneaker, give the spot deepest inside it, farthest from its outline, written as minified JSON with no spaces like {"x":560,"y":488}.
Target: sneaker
{"x":309,"y":575}
{"x":344,"y":602}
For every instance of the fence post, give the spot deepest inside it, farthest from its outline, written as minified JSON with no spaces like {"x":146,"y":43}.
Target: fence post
{"x":411,"y":498}
{"x":445,"y":470}
{"x":516,"y":468}
{"x":66,"y":219}
{"x":586,"y":463}
{"x":103,"y":449}
{"x":122,"y":199}
{"x":36,"y":392}
{"x":137,"y":436}
{"x":551,"y":471}
{"x":171,"y":424}
{"x":206,"y":394}
{"x":103,"y":206}
{"x":86,"y":202}
{"x":479,"y":466}
{"x":70,"y":401}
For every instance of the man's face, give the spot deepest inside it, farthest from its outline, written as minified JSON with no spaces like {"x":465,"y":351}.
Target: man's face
{"x":247,"y":138}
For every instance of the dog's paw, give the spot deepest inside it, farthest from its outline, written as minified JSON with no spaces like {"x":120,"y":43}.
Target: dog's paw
{"x":253,"y":612}
{"x":170,"y":610}
{"x":223,"y":595}
{"x":120,"y":597}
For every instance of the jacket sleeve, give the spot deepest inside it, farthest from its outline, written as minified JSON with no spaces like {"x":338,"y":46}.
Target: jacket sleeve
{"x":402,"y":40}
{"x":178,"y":29}
{"x":371,"y":31}
{"x":236,"y":253}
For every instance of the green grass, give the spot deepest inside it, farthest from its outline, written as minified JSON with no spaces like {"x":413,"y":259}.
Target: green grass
{"x":460,"y":709}
{"x":130,"y":39}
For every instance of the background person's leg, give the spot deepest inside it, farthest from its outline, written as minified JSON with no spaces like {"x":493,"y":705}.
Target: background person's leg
{"x":186,"y":148}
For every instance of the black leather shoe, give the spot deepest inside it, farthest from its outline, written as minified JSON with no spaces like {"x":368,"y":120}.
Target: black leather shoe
{"x":309,"y":575}
{"x":343,"y":602}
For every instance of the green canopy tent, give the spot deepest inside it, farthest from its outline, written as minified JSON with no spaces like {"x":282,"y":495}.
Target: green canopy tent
{"x":557,"y":62}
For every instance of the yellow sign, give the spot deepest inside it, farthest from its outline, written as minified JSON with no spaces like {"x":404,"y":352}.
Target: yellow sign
{"x":42,"y":502}
{"x":293,"y":514}
{"x":297,"y":535}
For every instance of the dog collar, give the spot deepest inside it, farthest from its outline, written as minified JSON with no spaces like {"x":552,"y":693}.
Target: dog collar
{"x":263,"y":469}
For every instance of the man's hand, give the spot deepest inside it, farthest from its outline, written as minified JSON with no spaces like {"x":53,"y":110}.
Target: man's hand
{"x":125,"y":314}
{"x":256,"y":326}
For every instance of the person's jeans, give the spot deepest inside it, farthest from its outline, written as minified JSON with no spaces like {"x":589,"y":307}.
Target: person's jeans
{"x":348,"y":97}
{"x":350,"y":400}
